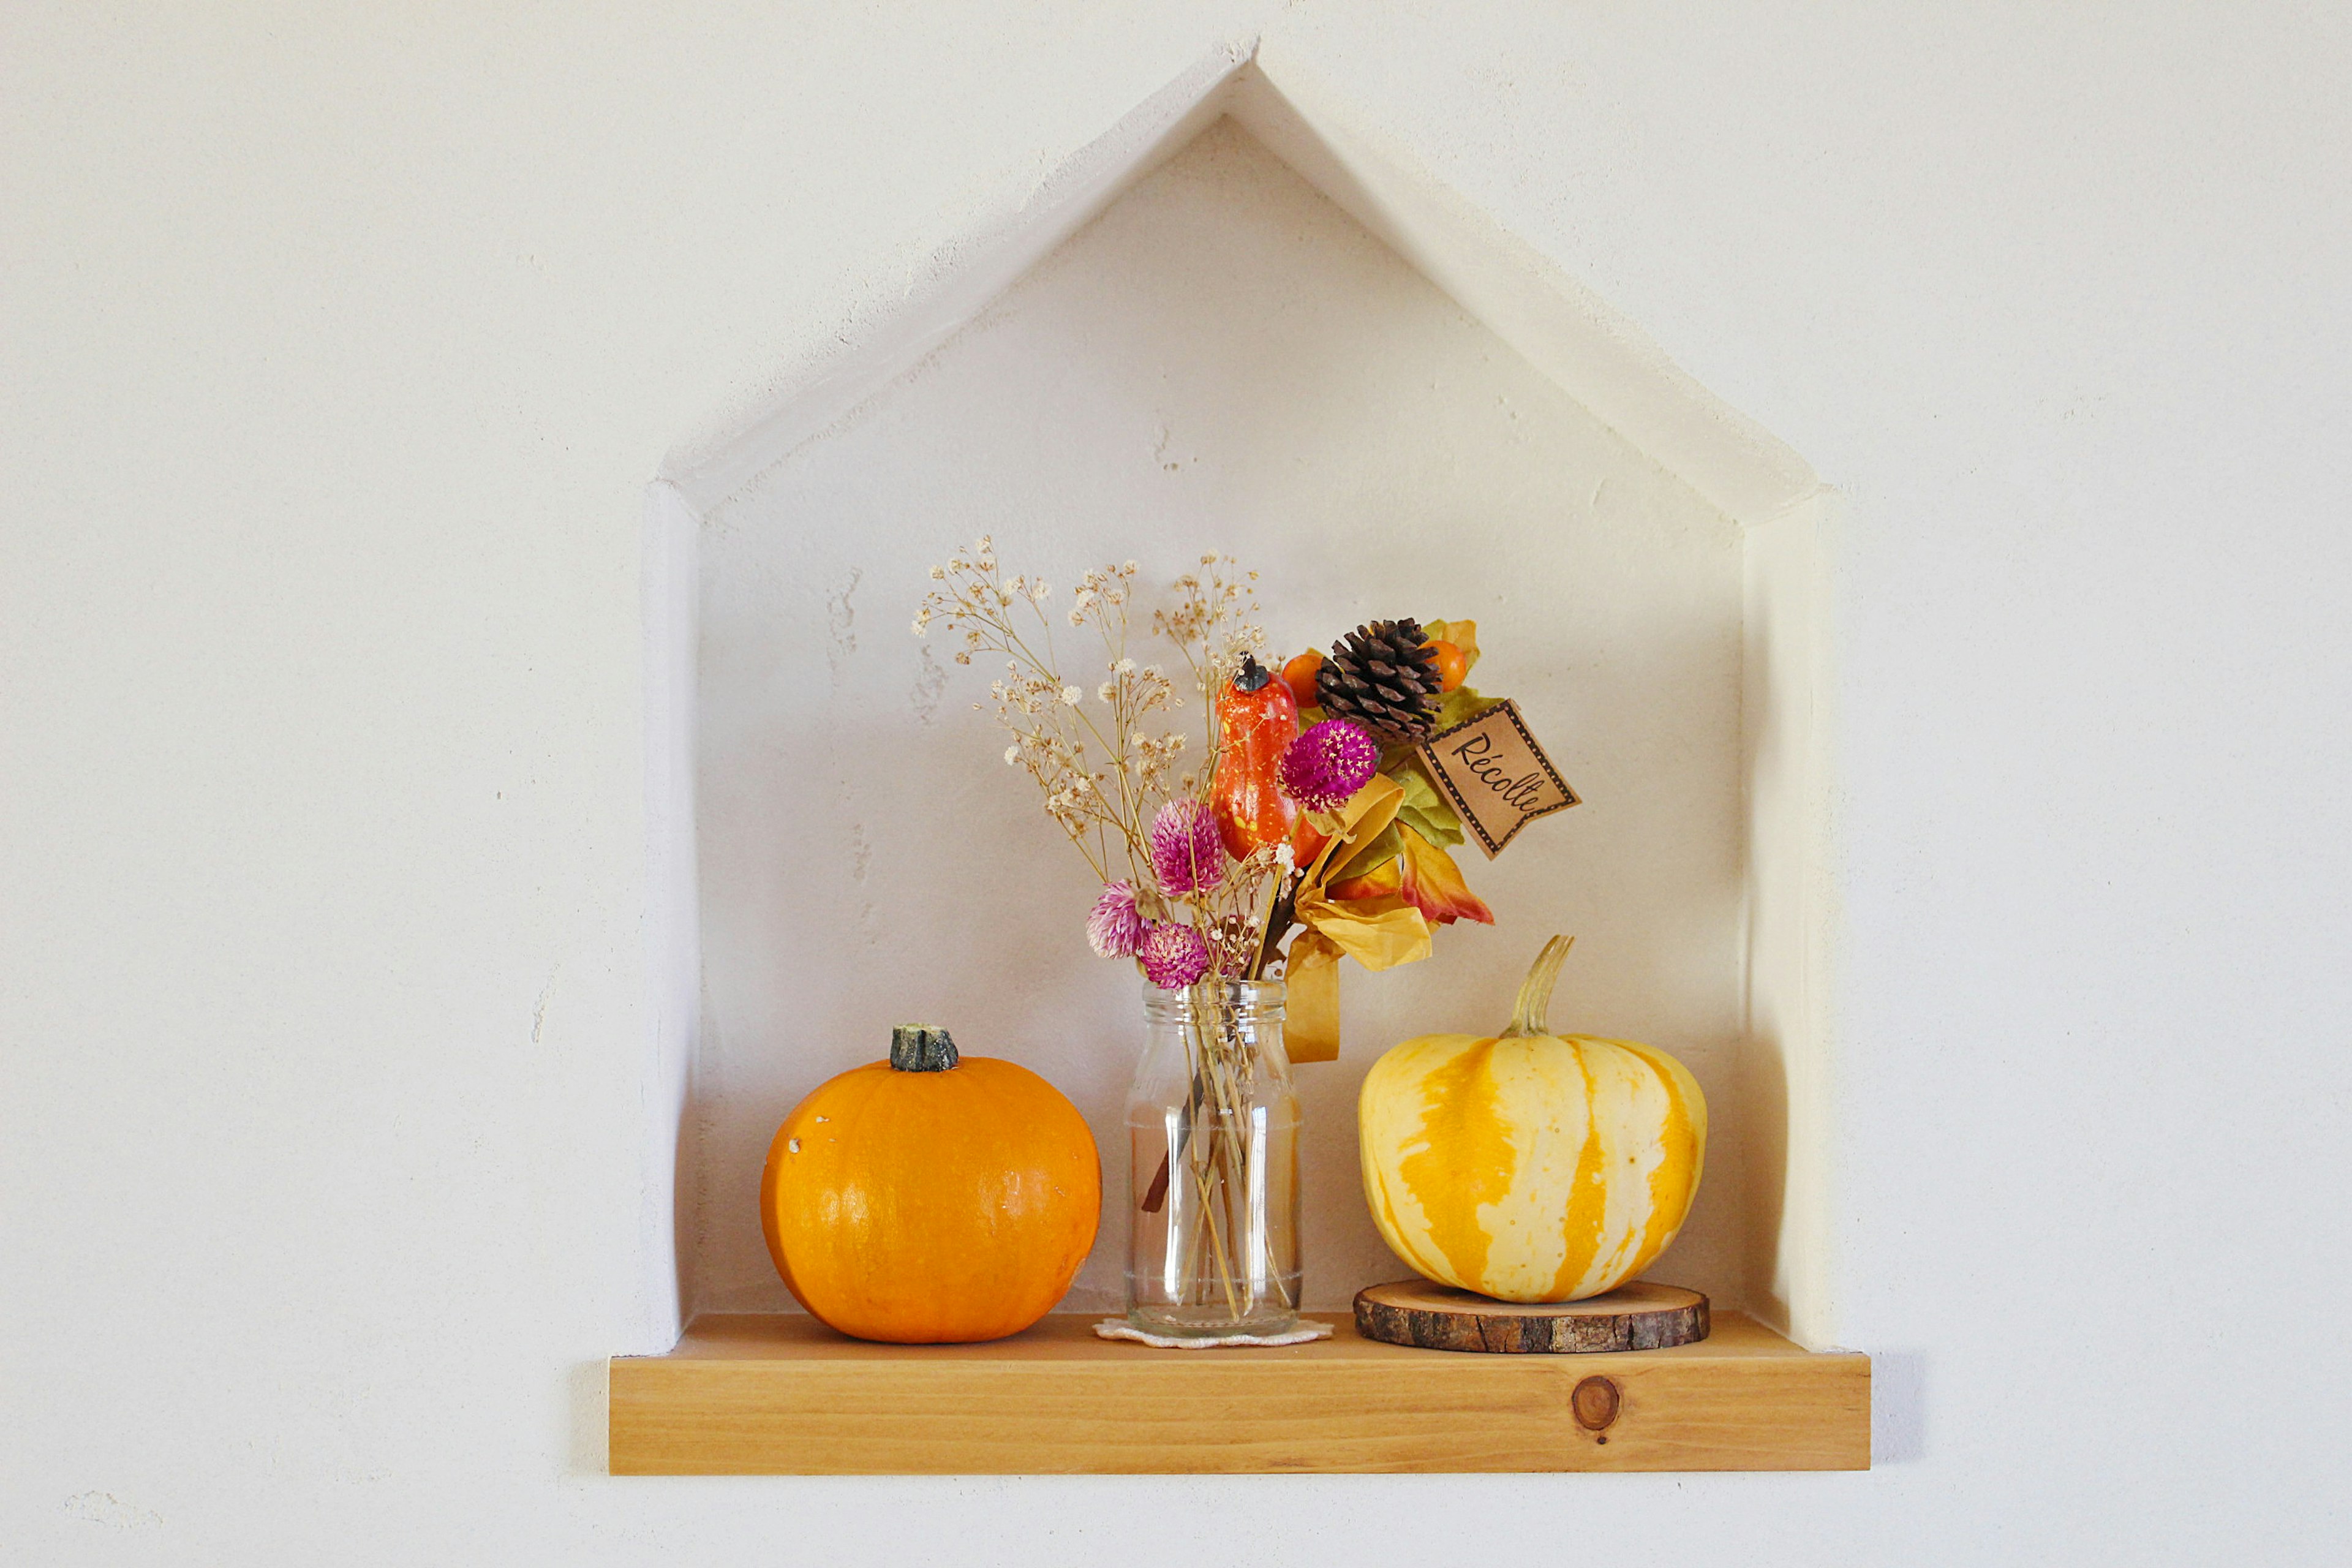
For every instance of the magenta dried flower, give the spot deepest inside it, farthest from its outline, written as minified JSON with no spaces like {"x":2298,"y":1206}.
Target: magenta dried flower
{"x":1174,"y":956}
{"x":1188,"y":854}
{"x":1115,"y":929}
{"x":1328,"y":764}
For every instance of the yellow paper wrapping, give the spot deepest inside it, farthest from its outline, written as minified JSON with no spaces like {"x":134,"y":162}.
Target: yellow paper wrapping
{"x":1310,"y":1031}
{"x":1377,"y":932}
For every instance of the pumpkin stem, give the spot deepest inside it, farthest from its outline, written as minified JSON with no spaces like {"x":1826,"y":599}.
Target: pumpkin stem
{"x":920,"y":1048}
{"x":1535,"y":992}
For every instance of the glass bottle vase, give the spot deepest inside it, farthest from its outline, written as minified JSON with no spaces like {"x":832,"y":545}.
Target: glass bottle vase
{"x":1212,"y":1164}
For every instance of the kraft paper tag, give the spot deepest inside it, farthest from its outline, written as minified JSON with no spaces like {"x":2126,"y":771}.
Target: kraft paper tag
{"x":1496,"y":776}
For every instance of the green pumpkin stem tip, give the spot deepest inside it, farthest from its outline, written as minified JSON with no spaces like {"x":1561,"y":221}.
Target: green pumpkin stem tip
{"x":1535,"y":992}
{"x":922,"y":1047}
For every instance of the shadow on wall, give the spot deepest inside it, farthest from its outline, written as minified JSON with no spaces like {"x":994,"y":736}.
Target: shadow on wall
{"x":1899,"y":1408}
{"x":589,"y":1453}
{"x":1762,"y":1073}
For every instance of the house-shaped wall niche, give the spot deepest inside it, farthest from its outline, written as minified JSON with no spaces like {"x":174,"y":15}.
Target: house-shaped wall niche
{"x":1233,"y":323}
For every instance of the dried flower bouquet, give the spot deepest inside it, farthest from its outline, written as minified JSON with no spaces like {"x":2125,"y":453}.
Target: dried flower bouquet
{"x":1208,"y":858}
{"x":1098,"y":738}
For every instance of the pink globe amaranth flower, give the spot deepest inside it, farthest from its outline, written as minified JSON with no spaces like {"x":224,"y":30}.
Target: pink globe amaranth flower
{"x":1328,"y":764}
{"x":1188,"y":853}
{"x":1115,"y":928}
{"x":1173,"y":955}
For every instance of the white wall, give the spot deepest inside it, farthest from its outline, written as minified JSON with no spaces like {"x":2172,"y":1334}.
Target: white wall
{"x":337,"y":350}
{"x":1222,"y":360}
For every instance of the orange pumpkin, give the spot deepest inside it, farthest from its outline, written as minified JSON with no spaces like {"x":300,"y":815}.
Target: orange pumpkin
{"x":931,"y":1198}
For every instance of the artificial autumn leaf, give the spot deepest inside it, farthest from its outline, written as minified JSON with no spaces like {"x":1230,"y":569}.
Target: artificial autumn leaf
{"x":1364,"y":825}
{"x":1339,"y":839}
{"x":1444,"y":832}
{"x":1424,"y":810}
{"x":1377,"y":851}
{"x":1389,"y":879}
{"x":1460,"y":706}
{"x":1431,"y":882}
{"x":1423,"y":876}
{"x":1377,"y":932}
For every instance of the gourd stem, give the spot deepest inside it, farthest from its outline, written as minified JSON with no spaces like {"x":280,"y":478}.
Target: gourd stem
{"x":1535,"y":992}
{"x":922,"y":1047}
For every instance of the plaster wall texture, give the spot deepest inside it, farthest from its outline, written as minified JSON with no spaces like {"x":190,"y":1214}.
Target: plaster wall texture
{"x":340,"y":345}
{"x":1222,"y":360}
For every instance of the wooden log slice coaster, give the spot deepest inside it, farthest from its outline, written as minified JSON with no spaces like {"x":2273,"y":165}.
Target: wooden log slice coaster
{"x":1636,"y":1317}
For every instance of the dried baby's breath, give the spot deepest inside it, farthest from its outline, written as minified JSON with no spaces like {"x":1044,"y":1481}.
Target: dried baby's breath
{"x":1106,"y":768}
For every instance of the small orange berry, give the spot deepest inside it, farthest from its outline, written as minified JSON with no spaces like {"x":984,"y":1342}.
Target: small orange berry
{"x":1452,"y":668}
{"x":1300,"y":674}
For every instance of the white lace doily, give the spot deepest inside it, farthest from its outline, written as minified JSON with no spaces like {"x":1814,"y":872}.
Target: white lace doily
{"x":1120,"y":1329}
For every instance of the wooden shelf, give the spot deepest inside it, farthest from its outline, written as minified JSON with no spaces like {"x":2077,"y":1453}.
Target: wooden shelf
{"x":774,"y":1395}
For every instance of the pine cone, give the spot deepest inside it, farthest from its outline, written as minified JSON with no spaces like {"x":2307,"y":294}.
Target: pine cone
{"x":1383,"y":677}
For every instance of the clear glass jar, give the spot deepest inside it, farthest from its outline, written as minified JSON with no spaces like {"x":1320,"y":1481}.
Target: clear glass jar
{"x":1212,"y":1164}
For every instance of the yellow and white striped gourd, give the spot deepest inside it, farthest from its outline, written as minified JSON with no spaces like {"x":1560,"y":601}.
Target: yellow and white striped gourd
{"x":1530,"y":1166}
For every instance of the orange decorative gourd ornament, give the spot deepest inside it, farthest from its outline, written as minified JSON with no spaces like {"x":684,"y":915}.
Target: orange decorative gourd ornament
{"x":1258,"y":718}
{"x":931,"y":1198}
{"x":1530,"y":1166}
